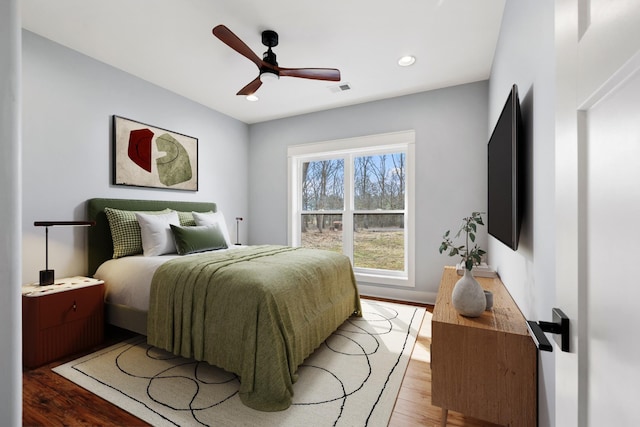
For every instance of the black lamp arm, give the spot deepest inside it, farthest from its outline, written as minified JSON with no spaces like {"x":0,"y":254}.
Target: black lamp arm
{"x":63,"y":223}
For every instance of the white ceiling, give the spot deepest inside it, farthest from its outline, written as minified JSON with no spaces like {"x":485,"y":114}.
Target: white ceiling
{"x":169,"y":43}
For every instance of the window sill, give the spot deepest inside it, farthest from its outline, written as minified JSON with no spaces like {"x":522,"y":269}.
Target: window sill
{"x":381,"y":279}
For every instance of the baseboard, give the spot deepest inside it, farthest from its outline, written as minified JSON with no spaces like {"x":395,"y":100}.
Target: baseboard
{"x":420,"y":297}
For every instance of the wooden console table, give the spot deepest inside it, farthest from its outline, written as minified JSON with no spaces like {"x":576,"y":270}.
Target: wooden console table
{"x":484,"y":367}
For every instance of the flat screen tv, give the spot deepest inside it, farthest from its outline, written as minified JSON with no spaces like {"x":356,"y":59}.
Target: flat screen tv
{"x":505,"y":174}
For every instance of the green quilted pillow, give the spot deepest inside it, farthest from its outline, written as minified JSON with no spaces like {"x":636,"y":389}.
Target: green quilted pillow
{"x":186,"y":219}
{"x":197,"y":238}
{"x":125,"y":231}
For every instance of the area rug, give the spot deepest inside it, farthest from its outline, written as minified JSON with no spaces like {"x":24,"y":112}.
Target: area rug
{"x":352,"y":379}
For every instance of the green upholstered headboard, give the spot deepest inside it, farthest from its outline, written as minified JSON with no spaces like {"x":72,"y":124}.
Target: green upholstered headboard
{"x":100,"y":242}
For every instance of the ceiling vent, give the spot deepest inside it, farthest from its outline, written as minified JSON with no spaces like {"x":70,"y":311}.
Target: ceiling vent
{"x":342,"y":87}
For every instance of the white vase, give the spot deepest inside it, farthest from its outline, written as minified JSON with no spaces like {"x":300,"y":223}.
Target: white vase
{"x":468,"y":296}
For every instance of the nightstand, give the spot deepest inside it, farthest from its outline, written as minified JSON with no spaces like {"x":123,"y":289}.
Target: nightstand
{"x":61,"y":319}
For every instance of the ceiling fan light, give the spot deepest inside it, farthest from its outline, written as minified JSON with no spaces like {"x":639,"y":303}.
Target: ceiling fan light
{"x":406,"y":61}
{"x":268,"y":76}
{"x":252,"y":98}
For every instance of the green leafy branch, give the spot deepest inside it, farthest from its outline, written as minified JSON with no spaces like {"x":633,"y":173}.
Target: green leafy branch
{"x":470,"y":256}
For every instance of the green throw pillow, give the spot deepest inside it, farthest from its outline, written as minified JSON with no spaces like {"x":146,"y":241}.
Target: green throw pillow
{"x":125,"y":231}
{"x":186,"y":219}
{"x":197,"y":239}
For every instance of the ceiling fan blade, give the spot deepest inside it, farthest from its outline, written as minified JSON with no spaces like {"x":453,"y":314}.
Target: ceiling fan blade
{"x":234,"y":42}
{"x":251,"y":87}
{"x":332,"y":74}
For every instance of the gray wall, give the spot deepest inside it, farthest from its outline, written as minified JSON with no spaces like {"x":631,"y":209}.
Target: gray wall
{"x":525,"y":55}
{"x":10,"y":242}
{"x":451,"y":137}
{"x":68,"y":101}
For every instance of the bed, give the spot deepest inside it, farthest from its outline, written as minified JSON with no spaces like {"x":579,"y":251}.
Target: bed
{"x":256,"y":311}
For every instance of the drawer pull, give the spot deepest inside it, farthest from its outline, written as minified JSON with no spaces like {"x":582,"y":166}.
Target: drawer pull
{"x":75,"y":306}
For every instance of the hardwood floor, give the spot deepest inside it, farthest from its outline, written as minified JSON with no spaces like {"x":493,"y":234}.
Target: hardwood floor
{"x":51,"y":400}
{"x":413,"y":406}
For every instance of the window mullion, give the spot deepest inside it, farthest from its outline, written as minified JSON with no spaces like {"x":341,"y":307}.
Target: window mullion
{"x":295,"y":200}
{"x":347,"y":217}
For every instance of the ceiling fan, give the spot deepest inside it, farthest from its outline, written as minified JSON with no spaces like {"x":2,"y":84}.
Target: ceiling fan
{"x":269,"y":69}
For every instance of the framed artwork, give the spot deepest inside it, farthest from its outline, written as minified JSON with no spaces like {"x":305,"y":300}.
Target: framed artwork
{"x":149,"y":156}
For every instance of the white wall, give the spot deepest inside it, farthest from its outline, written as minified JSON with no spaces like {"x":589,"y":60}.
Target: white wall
{"x":10,"y":242}
{"x":69,"y":100}
{"x":451,"y":137}
{"x":525,"y":56}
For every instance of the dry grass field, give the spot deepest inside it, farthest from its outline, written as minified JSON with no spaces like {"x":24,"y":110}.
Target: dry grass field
{"x":373,"y":248}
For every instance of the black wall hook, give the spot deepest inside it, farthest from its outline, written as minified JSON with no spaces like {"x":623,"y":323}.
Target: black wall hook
{"x":559,"y":325}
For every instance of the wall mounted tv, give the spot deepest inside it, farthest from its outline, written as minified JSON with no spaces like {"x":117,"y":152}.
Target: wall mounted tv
{"x":505,"y":174}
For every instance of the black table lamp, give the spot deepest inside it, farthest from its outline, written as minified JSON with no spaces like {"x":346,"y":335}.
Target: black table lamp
{"x":46,"y":275}
{"x":238,"y":219}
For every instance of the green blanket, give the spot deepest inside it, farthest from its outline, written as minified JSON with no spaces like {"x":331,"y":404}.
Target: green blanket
{"x":257,"y":312}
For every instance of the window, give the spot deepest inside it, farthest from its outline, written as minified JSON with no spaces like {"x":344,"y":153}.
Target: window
{"x":356,"y":197}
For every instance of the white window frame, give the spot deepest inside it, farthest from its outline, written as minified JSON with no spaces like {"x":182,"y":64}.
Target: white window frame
{"x":395,"y":142}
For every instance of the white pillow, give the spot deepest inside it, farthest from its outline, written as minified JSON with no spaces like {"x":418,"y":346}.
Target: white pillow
{"x":155,"y":231}
{"x":211,"y":218}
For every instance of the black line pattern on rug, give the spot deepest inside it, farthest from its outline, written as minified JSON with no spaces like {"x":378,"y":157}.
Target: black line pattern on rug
{"x":355,"y":322}
{"x":362,"y":336}
{"x":404,"y":345}
{"x":188,"y":371}
{"x":128,"y":344}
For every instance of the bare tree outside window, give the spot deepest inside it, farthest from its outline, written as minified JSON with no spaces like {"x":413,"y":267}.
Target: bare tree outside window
{"x":323,"y":190}
{"x":378,"y":215}
{"x":378,"y":239}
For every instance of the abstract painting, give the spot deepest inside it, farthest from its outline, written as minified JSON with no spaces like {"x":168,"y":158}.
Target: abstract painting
{"x":149,"y":156}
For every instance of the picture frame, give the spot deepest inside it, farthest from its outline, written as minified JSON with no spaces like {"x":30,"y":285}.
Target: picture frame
{"x":150,"y":156}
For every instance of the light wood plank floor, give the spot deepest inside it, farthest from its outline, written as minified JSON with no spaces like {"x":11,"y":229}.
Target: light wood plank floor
{"x":50,"y":400}
{"x":413,"y":406}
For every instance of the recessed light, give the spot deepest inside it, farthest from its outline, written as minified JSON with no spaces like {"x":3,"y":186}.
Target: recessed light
{"x":252,"y":98}
{"x":405,"y":61}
